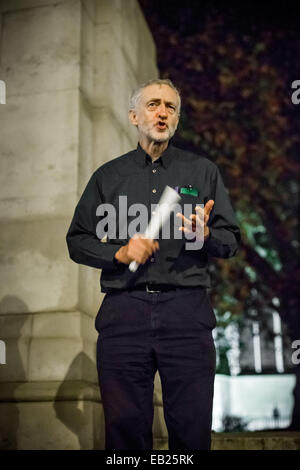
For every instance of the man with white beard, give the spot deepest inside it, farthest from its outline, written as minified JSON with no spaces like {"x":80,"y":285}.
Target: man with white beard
{"x":160,"y":317}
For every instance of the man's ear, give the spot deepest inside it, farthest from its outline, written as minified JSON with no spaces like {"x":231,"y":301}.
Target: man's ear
{"x":132,"y":117}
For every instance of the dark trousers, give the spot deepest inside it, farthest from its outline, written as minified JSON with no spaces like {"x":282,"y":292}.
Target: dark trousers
{"x":140,"y":333}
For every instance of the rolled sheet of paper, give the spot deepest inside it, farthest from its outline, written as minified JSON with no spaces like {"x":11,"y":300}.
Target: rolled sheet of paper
{"x":165,"y":206}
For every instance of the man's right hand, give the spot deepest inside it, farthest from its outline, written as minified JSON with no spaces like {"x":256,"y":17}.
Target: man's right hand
{"x":138,"y":249}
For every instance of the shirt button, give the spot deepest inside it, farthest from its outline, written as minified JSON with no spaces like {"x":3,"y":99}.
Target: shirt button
{"x":152,"y":260}
{"x":154,"y":171}
{"x":154,"y":191}
{"x":153,"y":212}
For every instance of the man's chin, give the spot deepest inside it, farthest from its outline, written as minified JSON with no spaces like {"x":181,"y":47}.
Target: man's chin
{"x":160,"y":137}
{"x":161,"y":140}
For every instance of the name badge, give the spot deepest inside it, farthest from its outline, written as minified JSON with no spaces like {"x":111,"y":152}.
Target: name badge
{"x":189,"y":190}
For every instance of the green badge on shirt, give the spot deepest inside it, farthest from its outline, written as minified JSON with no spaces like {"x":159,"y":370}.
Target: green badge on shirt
{"x":188,"y":190}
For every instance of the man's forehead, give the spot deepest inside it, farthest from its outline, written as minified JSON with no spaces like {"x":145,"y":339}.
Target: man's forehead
{"x":159,"y":91}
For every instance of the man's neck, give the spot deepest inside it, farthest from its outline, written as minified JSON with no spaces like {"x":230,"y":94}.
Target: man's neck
{"x":154,"y":149}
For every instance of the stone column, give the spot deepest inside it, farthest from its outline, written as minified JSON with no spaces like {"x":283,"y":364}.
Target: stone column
{"x":69,"y":67}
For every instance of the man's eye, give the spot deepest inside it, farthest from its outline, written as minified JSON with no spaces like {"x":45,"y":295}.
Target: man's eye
{"x":151,"y":105}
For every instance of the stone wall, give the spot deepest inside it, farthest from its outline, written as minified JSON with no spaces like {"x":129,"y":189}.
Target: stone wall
{"x":69,"y":67}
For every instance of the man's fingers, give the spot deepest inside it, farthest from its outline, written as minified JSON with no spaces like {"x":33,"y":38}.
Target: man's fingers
{"x":208,"y":206}
{"x":151,"y":247}
{"x":186,"y":222}
{"x":192,"y":224}
{"x":181,"y":216}
{"x":185,"y":230}
{"x":203,"y":213}
{"x":141,"y":248}
{"x":200,"y":212}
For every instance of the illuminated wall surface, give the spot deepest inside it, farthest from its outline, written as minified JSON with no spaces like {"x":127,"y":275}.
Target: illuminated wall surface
{"x":69,"y":68}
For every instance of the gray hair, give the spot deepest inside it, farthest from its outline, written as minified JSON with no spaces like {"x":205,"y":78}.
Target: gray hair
{"x":136,"y":95}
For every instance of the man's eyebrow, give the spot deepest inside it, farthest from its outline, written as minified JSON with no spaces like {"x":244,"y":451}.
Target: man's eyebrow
{"x":158,"y":100}
{"x":171,"y":102}
{"x":154,"y":99}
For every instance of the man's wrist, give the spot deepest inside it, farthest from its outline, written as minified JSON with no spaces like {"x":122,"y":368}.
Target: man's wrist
{"x":207,"y":236}
{"x":116,"y":261}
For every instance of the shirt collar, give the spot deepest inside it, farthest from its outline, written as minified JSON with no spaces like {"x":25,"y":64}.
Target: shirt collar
{"x":142,"y":158}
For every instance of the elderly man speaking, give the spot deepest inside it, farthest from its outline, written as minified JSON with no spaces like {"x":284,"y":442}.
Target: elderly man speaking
{"x":158,"y":318}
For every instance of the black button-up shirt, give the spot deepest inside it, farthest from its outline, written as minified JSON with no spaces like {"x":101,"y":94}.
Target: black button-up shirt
{"x":135,"y":176}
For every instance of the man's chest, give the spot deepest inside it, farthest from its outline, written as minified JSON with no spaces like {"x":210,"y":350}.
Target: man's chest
{"x":146,"y":186}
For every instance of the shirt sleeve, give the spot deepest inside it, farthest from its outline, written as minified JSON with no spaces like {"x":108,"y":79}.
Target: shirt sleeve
{"x":224,"y":238}
{"x":83,"y":244}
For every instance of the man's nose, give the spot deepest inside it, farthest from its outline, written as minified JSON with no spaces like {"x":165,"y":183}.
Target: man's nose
{"x":162,"y":111}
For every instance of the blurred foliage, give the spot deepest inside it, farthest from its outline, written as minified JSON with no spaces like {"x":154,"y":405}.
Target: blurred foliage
{"x":234,"y":69}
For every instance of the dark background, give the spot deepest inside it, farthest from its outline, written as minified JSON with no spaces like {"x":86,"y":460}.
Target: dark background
{"x":234,"y":64}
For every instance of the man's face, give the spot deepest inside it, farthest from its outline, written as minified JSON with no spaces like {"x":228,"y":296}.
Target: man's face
{"x":156,"y":116}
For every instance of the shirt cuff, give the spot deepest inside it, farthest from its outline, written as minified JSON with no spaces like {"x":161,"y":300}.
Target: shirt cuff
{"x":108,"y":257}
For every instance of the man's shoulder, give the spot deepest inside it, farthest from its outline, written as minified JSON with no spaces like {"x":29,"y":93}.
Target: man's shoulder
{"x":199,"y":159}
{"x":123,"y":162}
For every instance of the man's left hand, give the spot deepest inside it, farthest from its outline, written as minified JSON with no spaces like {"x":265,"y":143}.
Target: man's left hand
{"x":197,"y":223}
